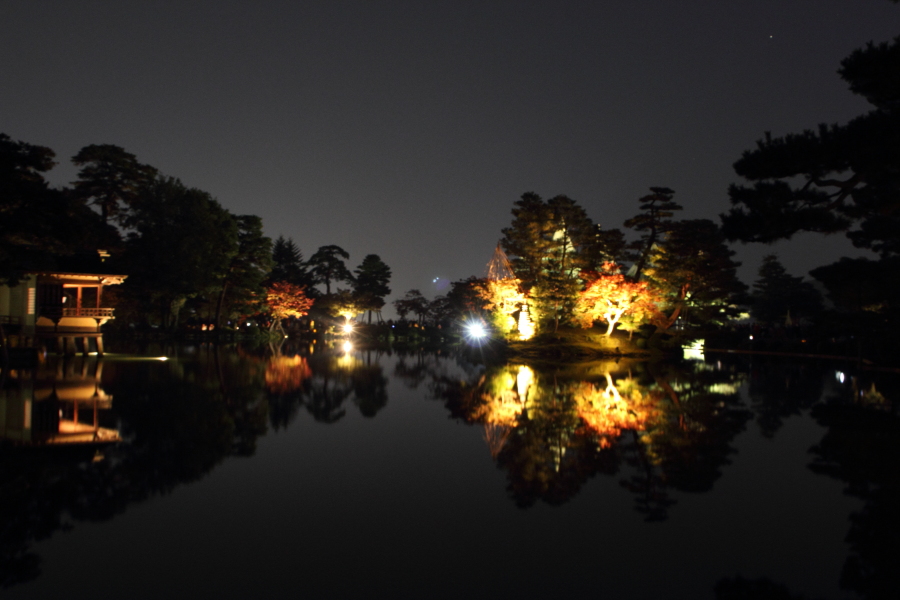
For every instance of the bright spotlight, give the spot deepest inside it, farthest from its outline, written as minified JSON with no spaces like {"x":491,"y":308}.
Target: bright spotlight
{"x":348,"y":328}
{"x":476,"y":330}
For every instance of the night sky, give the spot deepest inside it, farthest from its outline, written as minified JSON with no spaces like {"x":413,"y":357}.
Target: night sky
{"x":408,"y":129}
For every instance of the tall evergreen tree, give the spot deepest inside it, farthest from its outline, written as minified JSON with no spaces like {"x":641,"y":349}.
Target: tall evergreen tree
{"x":182,"y":245}
{"x":242,"y":285}
{"x":287,"y":263}
{"x":778,"y":295}
{"x":327,"y":266}
{"x":693,"y":269}
{"x":549,"y":244}
{"x":652,"y":222}
{"x":371,"y":283}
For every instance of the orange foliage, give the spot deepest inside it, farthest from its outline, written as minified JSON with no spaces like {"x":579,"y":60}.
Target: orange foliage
{"x":606,"y":413}
{"x":286,"y":373}
{"x":609,"y":296}
{"x":287,"y":300}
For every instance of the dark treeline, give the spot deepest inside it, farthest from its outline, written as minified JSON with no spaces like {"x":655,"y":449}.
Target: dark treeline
{"x":190,"y":262}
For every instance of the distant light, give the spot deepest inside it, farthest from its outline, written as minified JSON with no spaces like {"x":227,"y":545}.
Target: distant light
{"x":839,"y":375}
{"x":348,"y":328}
{"x":162,"y":358}
{"x":751,"y":337}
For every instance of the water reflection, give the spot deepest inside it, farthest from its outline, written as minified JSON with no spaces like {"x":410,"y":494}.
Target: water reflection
{"x":660,"y":430}
{"x":67,"y":405}
{"x":656,"y":427}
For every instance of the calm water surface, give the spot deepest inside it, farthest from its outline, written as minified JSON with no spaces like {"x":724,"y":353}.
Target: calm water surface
{"x":227,"y":472}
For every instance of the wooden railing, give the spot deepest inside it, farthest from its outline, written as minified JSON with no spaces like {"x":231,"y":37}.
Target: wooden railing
{"x":96,"y":313}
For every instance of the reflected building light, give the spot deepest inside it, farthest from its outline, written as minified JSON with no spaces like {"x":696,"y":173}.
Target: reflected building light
{"x":524,"y":379}
{"x":694,"y":351}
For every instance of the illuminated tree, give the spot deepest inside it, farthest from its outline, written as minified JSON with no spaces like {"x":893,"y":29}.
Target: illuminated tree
{"x":609,"y":296}
{"x":691,"y":267}
{"x":502,"y":299}
{"x":286,"y":300}
{"x":342,"y":303}
{"x":549,"y":244}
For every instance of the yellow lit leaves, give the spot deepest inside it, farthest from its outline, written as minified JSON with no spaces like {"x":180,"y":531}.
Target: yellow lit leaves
{"x":607,"y":413}
{"x":610,"y":296}
{"x":287,"y":300}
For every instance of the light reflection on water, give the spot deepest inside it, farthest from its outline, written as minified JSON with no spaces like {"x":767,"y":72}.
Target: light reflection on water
{"x":415,"y":474}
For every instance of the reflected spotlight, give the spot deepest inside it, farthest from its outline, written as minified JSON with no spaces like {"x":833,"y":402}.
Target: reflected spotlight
{"x":347,"y":346}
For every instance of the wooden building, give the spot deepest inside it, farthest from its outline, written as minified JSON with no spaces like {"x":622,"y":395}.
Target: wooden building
{"x":58,"y":311}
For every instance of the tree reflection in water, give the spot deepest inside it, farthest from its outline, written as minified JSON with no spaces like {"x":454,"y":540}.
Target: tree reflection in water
{"x":177,"y":419}
{"x":552,"y":429}
{"x":657,"y":428}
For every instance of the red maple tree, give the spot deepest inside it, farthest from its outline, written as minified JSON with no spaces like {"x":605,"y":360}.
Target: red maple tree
{"x":286,"y":300}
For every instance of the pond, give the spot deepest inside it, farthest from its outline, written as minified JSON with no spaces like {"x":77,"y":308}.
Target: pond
{"x":230,"y":472}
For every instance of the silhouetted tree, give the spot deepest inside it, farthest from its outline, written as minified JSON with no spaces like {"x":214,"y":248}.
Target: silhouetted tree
{"x":111,"y":179}
{"x":182,"y":244}
{"x":412,"y":302}
{"x":243,"y":282}
{"x":371,"y":283}
{"x":287,"y":263}
{"x":327,"y":266}
{"x":777,"y":294}
{"x":837,"y":178}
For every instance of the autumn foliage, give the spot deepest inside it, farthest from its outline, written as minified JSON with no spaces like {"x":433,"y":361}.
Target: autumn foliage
{"x":286,"y":300}
{"x":610,"y":295}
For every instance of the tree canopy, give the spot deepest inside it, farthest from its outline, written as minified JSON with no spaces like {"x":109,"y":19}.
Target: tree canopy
{"x":371,"y":283}
{"x":835,"y":178}
{"x":327,"y":266}
{"x":111,"y":179}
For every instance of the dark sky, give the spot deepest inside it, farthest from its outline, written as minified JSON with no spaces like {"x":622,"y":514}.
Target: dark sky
{"x":408,"y":129}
